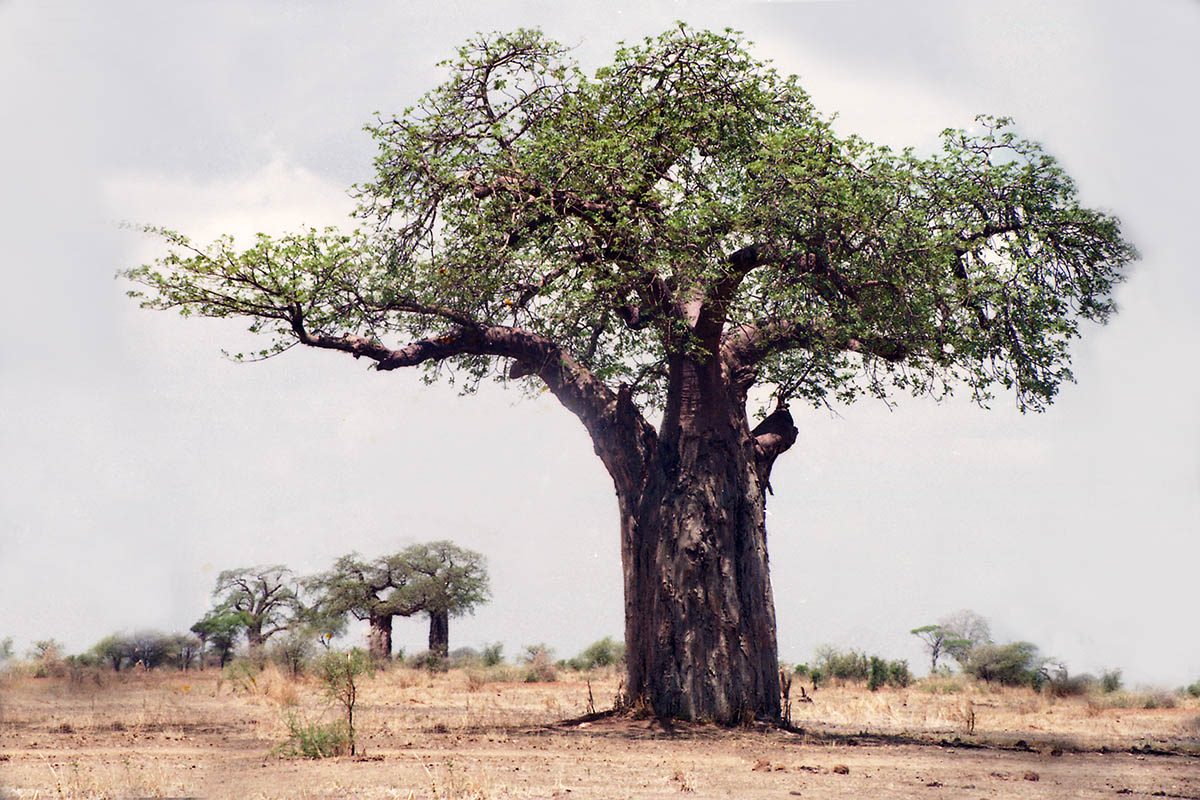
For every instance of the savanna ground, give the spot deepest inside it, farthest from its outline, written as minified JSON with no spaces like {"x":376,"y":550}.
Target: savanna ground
{"x":471,"y":734}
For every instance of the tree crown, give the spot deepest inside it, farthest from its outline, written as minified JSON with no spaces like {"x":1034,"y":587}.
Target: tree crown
{"x":686,"y":200}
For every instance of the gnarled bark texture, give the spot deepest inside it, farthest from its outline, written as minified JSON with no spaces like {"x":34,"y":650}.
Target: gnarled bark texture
{"x":439,"y":633}
{"x":699,"y":612}
{"x":379,"y":637}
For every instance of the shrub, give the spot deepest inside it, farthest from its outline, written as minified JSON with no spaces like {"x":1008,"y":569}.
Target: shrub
{"x":844,"y":665}
{"x":464,"y":657}
{"x":242,"y":676}
{"x":315,"y":739}
{"x":892,"y":673}
{"x":430,"y":660}
{"x":541,"y":667}
{"x":879,"y":673}
{"x":602,"y":653}
{"x":1110,"y":680}
{"x":493,"y":654}
{"x":47,"y":659}
{"x":899,"y":674}
{"x":1060,"y":684}
{"x":340,"y":672}
{"x":294,"y":649}
{"x":1014,"y":664}
{"x":1194,"y":689}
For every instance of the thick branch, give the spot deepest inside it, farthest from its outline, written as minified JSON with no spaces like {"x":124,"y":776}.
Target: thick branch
{"x":622,"y":438}
{"x":747,"y":345}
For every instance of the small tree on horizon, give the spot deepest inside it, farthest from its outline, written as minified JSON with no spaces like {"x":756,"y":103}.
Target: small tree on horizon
{"x":373,"y":591}
{"x":263,"y":597}
{"x":220,"y":629}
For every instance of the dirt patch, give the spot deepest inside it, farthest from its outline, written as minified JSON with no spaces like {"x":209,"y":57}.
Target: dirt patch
{"x":425,"y":736}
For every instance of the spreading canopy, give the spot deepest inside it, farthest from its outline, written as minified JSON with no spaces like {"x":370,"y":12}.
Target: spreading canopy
{"x":528,"y":220}
{"x":666,"y":234}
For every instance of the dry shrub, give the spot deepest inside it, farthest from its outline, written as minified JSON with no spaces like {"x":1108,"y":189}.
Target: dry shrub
{"x":944,"y":684}
{"x":541,"y":669}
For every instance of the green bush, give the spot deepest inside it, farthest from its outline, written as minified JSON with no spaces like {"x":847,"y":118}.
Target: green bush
{"x":602,"y":653}
{"x":844,"y":665}
{"x":1110,"y":681}
{"x":899,"y":675}
{"x":891,"y":673}
{"x":879,"y":673}
{"x":315,"y":739}
{"x":1194,"y":689}
{"x":339,"y":672}
{"x":492,"y":654}
{"x":1013,"y":664}
{"x":856,"y":666}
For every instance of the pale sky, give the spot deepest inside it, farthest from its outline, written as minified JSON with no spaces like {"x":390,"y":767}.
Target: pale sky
{"x":137,"y":462}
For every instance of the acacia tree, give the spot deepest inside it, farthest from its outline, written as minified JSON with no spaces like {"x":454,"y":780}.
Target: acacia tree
{"x":375,"y":591}
{"x":219,"y":628}
{"x":263,"y":598}
{"x":654,"y":242}
{"x":448,"y":581}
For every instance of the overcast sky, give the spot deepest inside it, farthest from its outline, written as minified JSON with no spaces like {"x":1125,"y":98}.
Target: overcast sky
{"x":136,"y":462}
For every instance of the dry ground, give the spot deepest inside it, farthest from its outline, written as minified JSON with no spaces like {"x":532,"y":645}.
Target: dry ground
{"x":458,"y":735}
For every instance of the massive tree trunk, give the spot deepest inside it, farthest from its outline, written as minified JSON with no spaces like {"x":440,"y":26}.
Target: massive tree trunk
{"x":699,"y":613}
{"x":439,"y":633}
{"x":379,"y":638}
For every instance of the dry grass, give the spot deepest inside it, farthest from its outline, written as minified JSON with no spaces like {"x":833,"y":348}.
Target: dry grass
{"x":485,"y":733}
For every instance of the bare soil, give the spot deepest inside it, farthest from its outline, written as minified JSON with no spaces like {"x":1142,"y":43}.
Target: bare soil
{"x":464,"y":734}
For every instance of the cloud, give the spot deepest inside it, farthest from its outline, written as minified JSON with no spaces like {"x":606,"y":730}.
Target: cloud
{"x":280,"y":196}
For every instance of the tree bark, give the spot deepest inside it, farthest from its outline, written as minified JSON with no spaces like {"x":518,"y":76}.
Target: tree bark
{"x":439,"y":633}
{"x":699,"y":613}
{"x":379,"y":638}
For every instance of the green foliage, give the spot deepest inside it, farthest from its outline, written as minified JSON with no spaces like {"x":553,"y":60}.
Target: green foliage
{"x":6,"y":648}
{"x":315,"y":739}
{"x":602,"y":653}
{"x":434,"y":577}
{"x":890,"y":673}
{"x":293,"y":649}
{"x":114,"y":650}
{"x":339,"y":673}
{"x":1110,"y":681}
{"x":899,"y":674}
{"x":220,"y":629}
{"x":445,"y":577}
{"x":879,"y":673}
{"x":492,"y":654}
{"x":843,"y":665}
{"x":1194,"y":689}
{"x":1013,"y":664}
{"x":263,"y":598}
{"x":523,"y":195}
{"x":955,"y":635}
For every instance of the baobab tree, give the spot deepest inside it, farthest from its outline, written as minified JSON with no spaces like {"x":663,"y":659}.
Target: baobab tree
{"x":375,"y":591}
{"x":262,"y":598}
{"x":448,"y":581}
{"x":654,"y":242}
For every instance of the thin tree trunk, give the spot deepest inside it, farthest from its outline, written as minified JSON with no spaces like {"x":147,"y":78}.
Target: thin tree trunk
{"x":439,"y":633}
{"x":379,"y":639}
